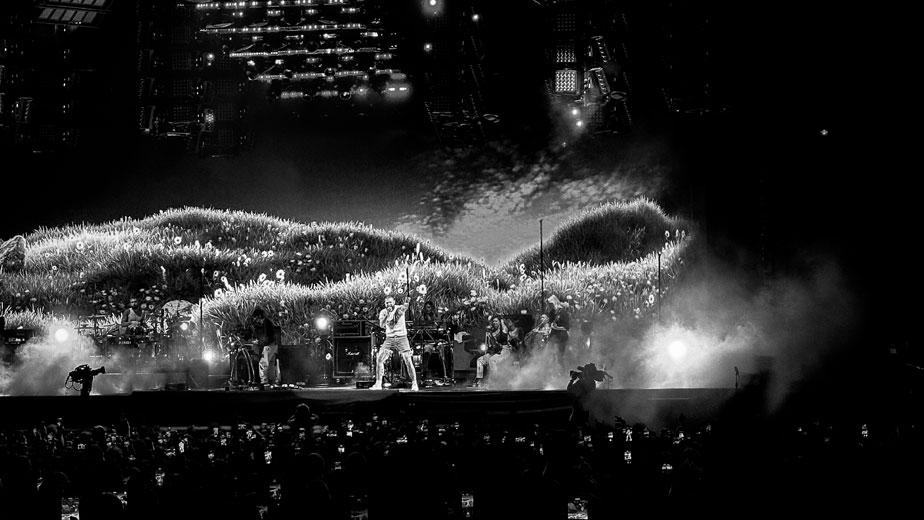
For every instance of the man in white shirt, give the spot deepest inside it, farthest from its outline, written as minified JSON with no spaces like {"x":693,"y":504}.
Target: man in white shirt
{"x":391,"y":318}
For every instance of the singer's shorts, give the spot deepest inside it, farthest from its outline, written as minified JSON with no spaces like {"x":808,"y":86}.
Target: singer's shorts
{"x":399,"y":343}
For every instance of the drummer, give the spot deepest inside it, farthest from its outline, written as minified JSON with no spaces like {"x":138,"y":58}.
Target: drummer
{"x":132,"y":319}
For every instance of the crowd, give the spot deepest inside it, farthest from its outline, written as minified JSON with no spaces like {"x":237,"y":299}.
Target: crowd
{"x":402,"y":466}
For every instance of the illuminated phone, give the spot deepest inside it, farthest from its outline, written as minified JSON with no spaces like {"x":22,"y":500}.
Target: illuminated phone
{"x":70,"y":508}
{"x":627,"y":456}
{"x":159,"y":478}
{"x":341,"y":449}
{"x":577,"y":509}
{"x":358,"y":508}
{"x":468,"y":505}
{"x":268,"y":456}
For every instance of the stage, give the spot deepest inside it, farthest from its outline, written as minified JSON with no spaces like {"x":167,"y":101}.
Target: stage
{"x":656,"y":408}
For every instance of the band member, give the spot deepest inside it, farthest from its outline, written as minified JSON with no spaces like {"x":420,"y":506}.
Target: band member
{"x":264,"y":332}
{"x":535,"y":340}
{"x":392,"y":319}
{"x":429,"y":318}
{"x":428,"y":315}
{"x":132,"y":321}
{"x":560,"y":322}
{"x":496,"y":342}
{"x":514,"y":335}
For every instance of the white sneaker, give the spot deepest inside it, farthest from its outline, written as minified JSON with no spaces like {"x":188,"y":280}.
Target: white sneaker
{"x":377,"y":386}
{"x":414,"y":387}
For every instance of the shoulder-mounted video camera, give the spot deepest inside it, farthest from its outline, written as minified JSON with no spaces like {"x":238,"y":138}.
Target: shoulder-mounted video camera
{"x":84,"y":372}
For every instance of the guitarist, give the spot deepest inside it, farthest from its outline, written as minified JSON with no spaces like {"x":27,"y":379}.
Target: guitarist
{"x":496,"y":340}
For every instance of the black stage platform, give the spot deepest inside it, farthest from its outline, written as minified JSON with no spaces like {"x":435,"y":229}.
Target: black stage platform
{"x":656,"y":408}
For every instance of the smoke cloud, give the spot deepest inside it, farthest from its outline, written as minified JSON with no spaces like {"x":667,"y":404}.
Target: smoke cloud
{"x":715,"y":321}
{"x":41,"y":365}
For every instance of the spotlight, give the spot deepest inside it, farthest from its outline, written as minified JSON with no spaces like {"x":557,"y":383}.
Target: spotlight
{"x":209,"y":356}
{"x":475,"y":17}
{"x":432,"y":3}
{"x":321,"y":323}
{"x":184,"y":326}
{"x":677,"y":350}
{"x":428,"y":47}
{"x":483,"y":347}
{"x":579,"y":123}
{"x":575,"y":112}
{"x":61,"y":335}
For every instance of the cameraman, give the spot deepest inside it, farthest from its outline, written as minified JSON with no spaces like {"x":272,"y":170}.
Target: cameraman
{"x":582,"y":385}
{"x":84,"y":375}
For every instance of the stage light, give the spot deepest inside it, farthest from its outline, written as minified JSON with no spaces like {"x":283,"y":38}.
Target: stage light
{"x":579,"y":123}
{"x":566,"y":81}
{"x":677,"y":350}
{"x":209,"y":356}
{"x":483,"y":347}
{"x":575,"y":112}
{"x":184,"y":326}
{"x":61,"y":335}
{"x":428,"y":47}
{"x":432,"y":3}
{"x":475,"y":17}
{"x":321,"y":323}
{"x":824,"y":132}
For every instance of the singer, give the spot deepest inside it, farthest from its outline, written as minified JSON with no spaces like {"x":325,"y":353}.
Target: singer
{"x":391,"y":318}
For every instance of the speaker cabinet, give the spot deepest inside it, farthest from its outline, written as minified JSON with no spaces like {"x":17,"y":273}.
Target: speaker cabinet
{"x":350,"y":352}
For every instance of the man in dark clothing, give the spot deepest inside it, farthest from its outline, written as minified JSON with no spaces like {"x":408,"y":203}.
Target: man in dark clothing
{"x":582,"y":386}
{"x":264,"y":332}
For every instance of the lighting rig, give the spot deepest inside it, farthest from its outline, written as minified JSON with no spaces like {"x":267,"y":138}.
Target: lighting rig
{"x":588,"y":85}
{"x":453,"y":78}
{"x":190,"y":90}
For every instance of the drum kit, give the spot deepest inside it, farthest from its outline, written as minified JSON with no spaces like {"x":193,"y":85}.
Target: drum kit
{"x":169,"y":334}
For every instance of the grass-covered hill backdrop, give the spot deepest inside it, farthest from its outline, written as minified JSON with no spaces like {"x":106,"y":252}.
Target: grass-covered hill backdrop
{"x":604,"y":261}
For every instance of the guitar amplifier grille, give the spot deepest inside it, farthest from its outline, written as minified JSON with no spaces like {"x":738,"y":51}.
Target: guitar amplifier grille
{"x":349,"y":353}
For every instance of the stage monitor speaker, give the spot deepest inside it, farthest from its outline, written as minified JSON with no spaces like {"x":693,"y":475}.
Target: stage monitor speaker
{"x":350,"y":352}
